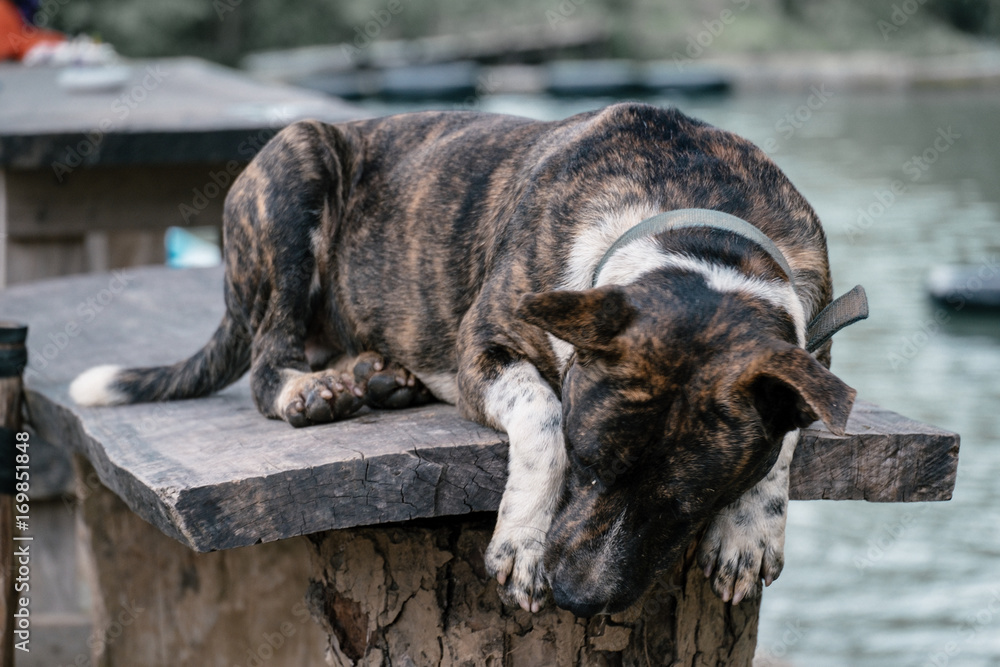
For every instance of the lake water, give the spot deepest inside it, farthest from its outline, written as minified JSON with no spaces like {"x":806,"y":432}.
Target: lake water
{"x":897,"y":584}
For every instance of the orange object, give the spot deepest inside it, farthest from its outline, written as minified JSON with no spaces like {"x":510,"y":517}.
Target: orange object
{"x":18,"y":37}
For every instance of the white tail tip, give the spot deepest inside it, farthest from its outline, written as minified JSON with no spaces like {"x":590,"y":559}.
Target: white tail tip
{"x":94,"y":387}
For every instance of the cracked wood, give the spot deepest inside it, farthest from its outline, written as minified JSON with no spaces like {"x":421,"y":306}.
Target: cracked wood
{"x":214,"y":474}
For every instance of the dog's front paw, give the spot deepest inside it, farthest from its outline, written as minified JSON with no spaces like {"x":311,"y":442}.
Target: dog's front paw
{"x":318,"y":398}
{"x":387,"y":384}
{"x":740,"y":549}
{"x":514,"y":558}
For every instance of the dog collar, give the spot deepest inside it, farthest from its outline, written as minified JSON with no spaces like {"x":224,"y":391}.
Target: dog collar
{"x":686,"y":218}
{"x":841,"y":312}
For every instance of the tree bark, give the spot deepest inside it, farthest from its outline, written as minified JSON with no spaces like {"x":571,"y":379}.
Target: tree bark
{"x":157,"y":603}
{"x":417,"y":594}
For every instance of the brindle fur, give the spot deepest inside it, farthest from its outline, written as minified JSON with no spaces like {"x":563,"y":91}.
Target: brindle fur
{"x":419,"y":236}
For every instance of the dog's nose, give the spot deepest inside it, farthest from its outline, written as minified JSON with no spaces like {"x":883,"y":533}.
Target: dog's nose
{"x":576,"y":601}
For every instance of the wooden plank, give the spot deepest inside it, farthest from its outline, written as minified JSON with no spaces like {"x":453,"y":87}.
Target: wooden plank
{"x":214,"y":474}
{"x":167,"y":111}
{"x":36,"y":258}
{"x":117,"y":198}
{"x":156,"y":603}
{"x":29,"y":260}
{"x":105,"y":217}
{"x":884,"y":457}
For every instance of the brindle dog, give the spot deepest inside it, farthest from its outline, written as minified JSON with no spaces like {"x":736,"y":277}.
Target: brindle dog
{"x":377,"y":260}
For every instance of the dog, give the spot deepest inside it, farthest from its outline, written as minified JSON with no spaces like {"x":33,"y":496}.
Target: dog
{"x":650,"y":394}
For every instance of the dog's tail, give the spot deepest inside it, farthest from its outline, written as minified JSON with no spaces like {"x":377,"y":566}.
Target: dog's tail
{"x":221,"y":362}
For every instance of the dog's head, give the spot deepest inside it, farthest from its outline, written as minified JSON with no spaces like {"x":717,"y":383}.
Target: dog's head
{"x":672,"y":408}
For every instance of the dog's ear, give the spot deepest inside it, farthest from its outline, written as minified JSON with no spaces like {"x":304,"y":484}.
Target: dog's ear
{"x":790,"y":390}
{"x":590,"y":319}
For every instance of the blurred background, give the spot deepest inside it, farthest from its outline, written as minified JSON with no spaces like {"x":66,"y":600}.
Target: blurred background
{"x":227,"y":30}
{"x":885,"y":114}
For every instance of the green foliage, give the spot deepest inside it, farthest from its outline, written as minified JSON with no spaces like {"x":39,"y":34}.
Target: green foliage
{"x":224,"y":30}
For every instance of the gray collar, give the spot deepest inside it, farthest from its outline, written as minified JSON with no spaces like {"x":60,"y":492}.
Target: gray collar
{"x":843,"y":311}
{"x":686,"y":218}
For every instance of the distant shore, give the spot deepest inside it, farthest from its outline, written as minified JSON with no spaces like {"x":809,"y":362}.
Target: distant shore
{"x":860,"y":70}
{"x":416,"y":70}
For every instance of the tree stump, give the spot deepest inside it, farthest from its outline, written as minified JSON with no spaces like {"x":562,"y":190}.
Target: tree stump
{"x":417,"y":594}
{"x":157,"y":603}
{"x":398,"y":507}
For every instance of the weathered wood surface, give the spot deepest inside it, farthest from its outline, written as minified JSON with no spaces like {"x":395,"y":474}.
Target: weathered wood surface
{"x":419,"y":591}
{"x":410,"y":594}
{"x":214,"y":474}
{"x":119,"y":199}
{"x":106,"y":217}
{"x":171,"y":111}
{"x":90,"y":180}
{"x":156,"y":603}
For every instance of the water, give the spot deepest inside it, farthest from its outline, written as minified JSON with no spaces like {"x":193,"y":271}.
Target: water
{"x":897,"y":584}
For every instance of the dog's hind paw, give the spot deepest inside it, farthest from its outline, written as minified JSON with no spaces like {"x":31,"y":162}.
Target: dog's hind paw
{"x":318,"y":398}
{"x":514,"y":558}
{"x":387,"y":384}
{"x":738,"y":552}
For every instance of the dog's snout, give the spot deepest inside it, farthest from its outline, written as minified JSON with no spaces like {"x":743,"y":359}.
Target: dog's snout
{"x":568,"y":597}
{"x":586,"y":591}
{"x":584,"y":560}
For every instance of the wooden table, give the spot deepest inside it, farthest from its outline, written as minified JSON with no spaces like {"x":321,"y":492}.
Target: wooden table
{"x":394,"y":506}
{"x":90,"y":180}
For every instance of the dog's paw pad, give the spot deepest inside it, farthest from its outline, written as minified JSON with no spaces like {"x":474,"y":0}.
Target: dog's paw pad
{"x":518,"y":569}
{"x":387,"y":384}
{"x":318,"y":398}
